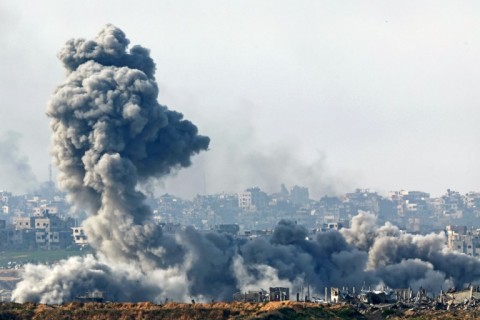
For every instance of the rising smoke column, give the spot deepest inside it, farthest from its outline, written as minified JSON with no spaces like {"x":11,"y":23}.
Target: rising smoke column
{"x":109,"y":135}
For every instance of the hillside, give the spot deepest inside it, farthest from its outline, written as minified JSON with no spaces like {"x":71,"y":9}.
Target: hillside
{"x":216,"y":311}
{"x":177,"y":311}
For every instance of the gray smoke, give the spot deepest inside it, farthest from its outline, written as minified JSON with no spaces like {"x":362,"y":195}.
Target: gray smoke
{"x":16,"y":175}
{"x":402,"y":259}
{"x":110,"y":135}
{"x":268,"y":166}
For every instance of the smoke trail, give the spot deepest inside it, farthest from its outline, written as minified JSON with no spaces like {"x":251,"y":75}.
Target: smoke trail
{"x":110,"y":134}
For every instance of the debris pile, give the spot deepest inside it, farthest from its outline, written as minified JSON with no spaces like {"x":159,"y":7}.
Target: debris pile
{"x":407,"y":303}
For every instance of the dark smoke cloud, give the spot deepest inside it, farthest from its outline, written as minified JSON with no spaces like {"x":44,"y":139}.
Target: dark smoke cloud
{"x":326,"y":260}
{"x":16,"y":175}
{"x":414,"y":273}
{"x":110,"y":134}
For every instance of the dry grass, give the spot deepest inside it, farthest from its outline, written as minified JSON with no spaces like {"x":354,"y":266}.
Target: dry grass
{"x":214,"y":311}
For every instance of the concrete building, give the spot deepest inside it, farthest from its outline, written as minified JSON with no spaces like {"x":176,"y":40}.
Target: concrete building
{"x":13,"y":239}
{"x":341,"y":294}
{"x":79,"y":236}
{"x":252,"y":199}
{"x":250,"y":296}
{"x":453,"y":204}
{"x":461,"y":240}
{"x":299,"y":195}
{"x":279,"y":294}
{"x":24,"y":223}
{"x":363,"y":199}
{"x":463,"y":296}
{"x":48,"y":231}
{"x":472,"y":199}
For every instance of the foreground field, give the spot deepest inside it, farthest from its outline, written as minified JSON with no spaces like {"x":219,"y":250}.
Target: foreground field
{"x":178,"y":311}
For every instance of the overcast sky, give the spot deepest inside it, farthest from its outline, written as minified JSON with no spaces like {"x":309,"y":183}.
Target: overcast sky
{"x":334,"y":95}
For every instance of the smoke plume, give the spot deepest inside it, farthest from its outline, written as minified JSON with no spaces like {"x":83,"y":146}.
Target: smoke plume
{"x":16,"y":175}
{"x":110,"y":134}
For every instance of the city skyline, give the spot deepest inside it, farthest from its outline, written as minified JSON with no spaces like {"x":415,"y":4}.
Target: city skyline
{"x":345,"y":95}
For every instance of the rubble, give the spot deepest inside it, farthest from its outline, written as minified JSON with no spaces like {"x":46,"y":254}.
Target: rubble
{"x":91,"y":296}
{"x":405,"y":303}
{"x":392,"y":303}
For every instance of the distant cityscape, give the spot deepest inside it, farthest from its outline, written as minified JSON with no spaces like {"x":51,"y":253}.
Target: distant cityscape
{"x":44,"y":220}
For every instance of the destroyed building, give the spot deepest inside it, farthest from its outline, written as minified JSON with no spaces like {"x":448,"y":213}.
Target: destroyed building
{"x":279,"y":294}
{"x":91,"y":296}
{"x":465,"y":241}
{"x":468,"y":295}
{"x":79,"y":236}
{"x":251,"y":296}
{"x":377,"y":296}
{"x":274,"y":294}
{"x":341,"y":295}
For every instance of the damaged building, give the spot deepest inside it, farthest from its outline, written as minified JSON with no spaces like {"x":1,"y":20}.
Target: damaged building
{"x":251,"y":296}
{"x":274,"y":294}
{"x":279,"y":294}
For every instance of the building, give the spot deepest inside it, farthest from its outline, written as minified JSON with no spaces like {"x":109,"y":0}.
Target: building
{"x":299,"y":195}
{"x":79,"y":236}
{"x":461,"y":240}
{"x":48,"y":231}
{"x":462,"y":296}
{"x":279,"y":294}
{"x":252,"y":199}
{"x":363,"y":199}
{"x":377,"y":296}
{"x":232,"y":229}
{"x":453,"y":204}
{"x":251,"y":296}
{"x":341,"y":295}
{"x":24,"y":223}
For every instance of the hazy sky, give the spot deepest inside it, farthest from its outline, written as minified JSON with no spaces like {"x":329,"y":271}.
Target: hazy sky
{"x":334,"y":95}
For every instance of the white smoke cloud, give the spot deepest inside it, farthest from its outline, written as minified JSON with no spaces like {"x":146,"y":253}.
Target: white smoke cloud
{"x":263,"y":277}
